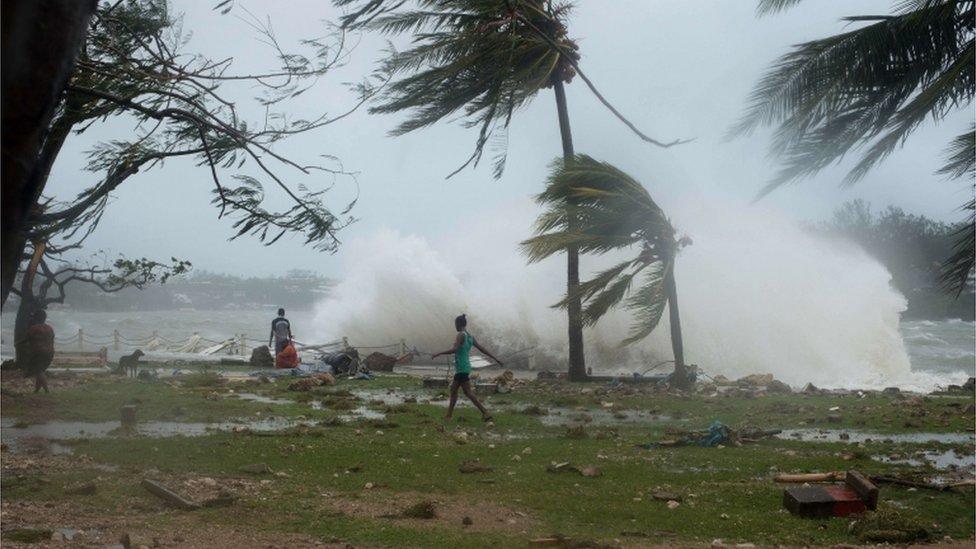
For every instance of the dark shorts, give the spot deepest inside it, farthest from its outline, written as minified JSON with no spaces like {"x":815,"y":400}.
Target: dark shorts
{"x":37,"y":363}
{"x":460,"y":378}
{"x":280,"y":346}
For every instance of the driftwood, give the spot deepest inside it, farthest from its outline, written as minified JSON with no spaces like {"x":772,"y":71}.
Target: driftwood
{"x":168,"y":495}
{"x":811,"y":477}
{"x":912,"y":484}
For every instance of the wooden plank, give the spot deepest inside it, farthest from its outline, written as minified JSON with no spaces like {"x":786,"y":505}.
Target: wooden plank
{"x":168,"y":495}
{"x":864,"y":488}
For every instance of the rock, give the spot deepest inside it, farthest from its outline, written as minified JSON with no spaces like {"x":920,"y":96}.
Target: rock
{"x":970,"y":385}
{"x":256,"y":469}
{"x":835,"y":418}
{"x":756,"y":380}
{"x":970,"y":410}
{"x":422,"y":510}
{"x":591,"y":471}
{"x":261,"y":357}
{"x":576,"y":432}
{"x":135,"y":541}
{"x":305,"y":384}
{"x":84,"y":489}
{"x":665,"y":496}
{"x":720,"y":380}
{"x":474,"y":466}
{"x":810,"y":388}
{"x":378,"y":362}
{"x":325,"y":378}
{"x":891,"y":391}
{"x":777,"y":386}
{"x":467,"y":521}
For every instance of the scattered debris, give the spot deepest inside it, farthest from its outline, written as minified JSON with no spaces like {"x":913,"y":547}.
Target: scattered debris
{"x":168,"y":495}
{"x":128,"y":418}
{"x":379,"y":362}
{"x":256,"y":469}
{"x":890,"y":526}
{"x":474,"y":466}
{"x":421,"y":510}
{"x":261,"y":357}
{"x":535,"y":410}
{"x":856,"y":495}
{"x":591,"y":471}
{"x":577,"y":431}
{"x":305,"y":384}
{"x":84,"y":489}
{"x":567,"y":467}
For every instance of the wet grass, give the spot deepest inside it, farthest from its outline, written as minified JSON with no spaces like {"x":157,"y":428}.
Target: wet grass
{"x":724,"y":493}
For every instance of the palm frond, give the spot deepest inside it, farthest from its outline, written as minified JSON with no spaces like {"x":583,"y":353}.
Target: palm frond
{"x":648,"y":303}
{"x":870,"y":86}
{"x":766,"y":7}
{"x":597,"y":208}
{"x":958,"y":268}
{"x":961,"y":156}
{"x":480,"y":59}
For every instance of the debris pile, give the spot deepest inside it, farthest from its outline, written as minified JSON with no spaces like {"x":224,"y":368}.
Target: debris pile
{"x":379,"y":362}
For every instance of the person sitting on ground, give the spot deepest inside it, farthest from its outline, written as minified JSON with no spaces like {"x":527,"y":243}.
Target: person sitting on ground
{"x":40,"y":350}
{"x":280,"y":332}
{"x":462,"y":366}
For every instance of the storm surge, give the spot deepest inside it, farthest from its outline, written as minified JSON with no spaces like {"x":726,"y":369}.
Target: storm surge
{"x":757,"y":294}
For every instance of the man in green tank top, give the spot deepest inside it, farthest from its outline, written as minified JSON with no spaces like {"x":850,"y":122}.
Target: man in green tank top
{"x":462,"y":366}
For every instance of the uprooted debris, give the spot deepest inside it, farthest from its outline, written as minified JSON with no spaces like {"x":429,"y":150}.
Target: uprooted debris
{"x":312,"y":381}
{"x":717,"y":434}
{"x":222,"y":499}
{"x":567,"y":467}
{"x":854,"y":496}
{"x":889,"y":525}
{"x":169,"y":496}
{"x":379,"y":362}
{"x":261,"y":357}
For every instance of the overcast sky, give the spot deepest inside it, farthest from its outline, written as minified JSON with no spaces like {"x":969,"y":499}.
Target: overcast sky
{"x":677,"y":68}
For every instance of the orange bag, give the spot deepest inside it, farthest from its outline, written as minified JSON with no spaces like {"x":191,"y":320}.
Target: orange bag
{"x":287,"y":358}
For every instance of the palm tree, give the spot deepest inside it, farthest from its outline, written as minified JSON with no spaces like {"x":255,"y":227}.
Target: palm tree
{"x":597,"y":208}
{"x":484,"y":59}
{"x":870,"y":88}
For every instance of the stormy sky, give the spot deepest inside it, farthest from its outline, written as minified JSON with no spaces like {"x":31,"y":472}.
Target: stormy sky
{"x":677,"y":68}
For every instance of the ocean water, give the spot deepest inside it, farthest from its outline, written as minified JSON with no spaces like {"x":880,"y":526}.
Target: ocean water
{"x":942,"y":351}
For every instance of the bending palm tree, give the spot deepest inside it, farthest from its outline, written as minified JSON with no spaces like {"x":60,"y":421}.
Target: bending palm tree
{"x":597,"y":208}
{"x":485,"y":59}
{"x":872,"y":87}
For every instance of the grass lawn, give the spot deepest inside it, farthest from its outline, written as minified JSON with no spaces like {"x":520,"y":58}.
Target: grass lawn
{"x":339,"y":477}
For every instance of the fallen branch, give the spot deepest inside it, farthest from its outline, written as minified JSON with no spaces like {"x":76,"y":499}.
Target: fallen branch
{"x":811,"y":477}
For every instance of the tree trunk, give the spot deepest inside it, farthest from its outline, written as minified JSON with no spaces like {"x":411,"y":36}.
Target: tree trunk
{"x":40,"y":41}
{"x":680,"y":379}
{"x":27,"y":305}
{"x":577,"y":360}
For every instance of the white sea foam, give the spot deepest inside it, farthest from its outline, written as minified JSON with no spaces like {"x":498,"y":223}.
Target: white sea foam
{"x":757,"y":293}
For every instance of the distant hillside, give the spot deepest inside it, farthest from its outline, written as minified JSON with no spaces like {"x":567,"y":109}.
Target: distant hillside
{"x":296,"y":290}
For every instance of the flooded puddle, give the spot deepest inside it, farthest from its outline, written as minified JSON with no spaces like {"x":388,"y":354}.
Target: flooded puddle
{"x":562,"y":417}
{"x":840,"y":435}
{"x":254,"y":397}
{"x":948,"y":460}
{"x":17,"y":437}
